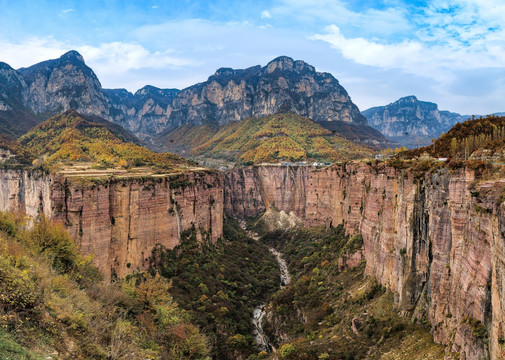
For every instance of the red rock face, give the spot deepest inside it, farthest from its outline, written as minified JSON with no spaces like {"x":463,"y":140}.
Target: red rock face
{"x":436,"y":240}
{"x":119,"y":222}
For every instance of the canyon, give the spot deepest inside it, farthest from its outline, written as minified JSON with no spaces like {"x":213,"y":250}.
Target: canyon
{"x":436,"y":240}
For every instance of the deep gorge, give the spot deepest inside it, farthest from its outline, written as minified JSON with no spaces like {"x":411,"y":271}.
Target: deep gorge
{"x":435,"y":239}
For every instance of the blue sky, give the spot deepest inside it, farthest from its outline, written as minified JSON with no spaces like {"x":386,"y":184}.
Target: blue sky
{"x":446,"y":51}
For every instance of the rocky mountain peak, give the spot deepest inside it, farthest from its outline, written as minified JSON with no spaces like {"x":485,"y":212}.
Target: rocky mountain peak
{"x":406,"y":99}
{"x":54,"y":86}
{"x":150,"y":90}
{"x":287,"y":64}
{"x":73,"y":56}
{"x":283,"y":85}
{"x":5,"y":66}
{"x":410,"y":121}
{"x":224,"y":71}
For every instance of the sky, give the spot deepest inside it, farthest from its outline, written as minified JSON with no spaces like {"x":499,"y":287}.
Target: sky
{"x":444,"y":51}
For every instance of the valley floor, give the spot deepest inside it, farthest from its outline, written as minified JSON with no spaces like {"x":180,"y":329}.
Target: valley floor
{"x":331,"y":310}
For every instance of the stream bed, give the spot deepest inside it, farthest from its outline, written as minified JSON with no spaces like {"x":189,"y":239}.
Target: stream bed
{"x":259,"y":312}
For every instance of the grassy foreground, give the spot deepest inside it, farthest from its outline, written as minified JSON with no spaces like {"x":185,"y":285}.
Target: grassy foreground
{"x":54,"y":305}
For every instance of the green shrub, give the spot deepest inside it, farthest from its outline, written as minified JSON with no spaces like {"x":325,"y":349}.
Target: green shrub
{"x":55,"y":243}
{"x":286,"y":350}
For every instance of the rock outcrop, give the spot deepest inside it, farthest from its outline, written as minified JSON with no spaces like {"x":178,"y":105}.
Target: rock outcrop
{"x":411,"y":122}
{"x":436,"y":240}
{"x":119,"y":221}
{"x":54,"y":86}
{"x":283,"y":85}
{"x":144,"y":113}
{"x":15,"y":118}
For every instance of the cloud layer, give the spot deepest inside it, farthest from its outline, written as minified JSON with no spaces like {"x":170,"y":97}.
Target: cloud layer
{"x":447,"y":51}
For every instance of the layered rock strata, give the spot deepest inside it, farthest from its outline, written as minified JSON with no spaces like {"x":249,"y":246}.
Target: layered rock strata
{"x":436,"y":240}
{"x":119,"y":221}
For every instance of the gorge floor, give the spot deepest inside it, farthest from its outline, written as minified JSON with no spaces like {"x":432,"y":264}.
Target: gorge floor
{"x":330,"y":311}
{"x":259,"y":312}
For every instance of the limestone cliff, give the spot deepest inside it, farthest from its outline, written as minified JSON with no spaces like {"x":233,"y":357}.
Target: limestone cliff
{"x":15,"y":118}
{"x":282,"y":85}
{"x":436,"y":240}
{"x":119,"y":221}
{"x":145,"y":113}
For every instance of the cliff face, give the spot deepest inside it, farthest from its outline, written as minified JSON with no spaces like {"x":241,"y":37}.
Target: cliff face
{"x":435,"y":240}
{"x":146,"y":112}
{"x":118,"y":222}
{"x":15,"y":118}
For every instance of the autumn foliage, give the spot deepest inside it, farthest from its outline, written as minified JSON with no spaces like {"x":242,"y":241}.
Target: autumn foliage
{"x":69,"y":137}
{"x":53,"y":304}
{"x":274,"y":138}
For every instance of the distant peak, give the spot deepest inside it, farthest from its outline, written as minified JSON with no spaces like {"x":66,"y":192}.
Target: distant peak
{"x":283,"y":59}
{"x":72,"y":55}
{"x":410,"y":98}
{"x":149,"y":89}
{"x":224,"y":71}
{"x":282,"y":63}
{"x":285,"y":63}
{"x":5,"y":66}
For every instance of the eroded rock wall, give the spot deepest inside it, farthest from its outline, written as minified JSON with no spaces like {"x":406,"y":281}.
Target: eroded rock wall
{"x":27,"y":192}
{"x":118,"y":222}
{"x":436,"y":240}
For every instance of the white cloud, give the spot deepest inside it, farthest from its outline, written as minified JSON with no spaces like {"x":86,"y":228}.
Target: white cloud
{"x":30,"y":51}
{"x":266,"y":14}
{"x":451,"y":35}
{"x":438,"y":62}
{"x":371,"y":53}
{"x":66,"y":11}
{"x":112,"y":57}
{"x":120,"y":57}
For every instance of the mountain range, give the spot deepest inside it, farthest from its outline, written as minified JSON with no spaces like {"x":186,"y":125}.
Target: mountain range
{"x":283,"y":85}
{"x":33,"y":94}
